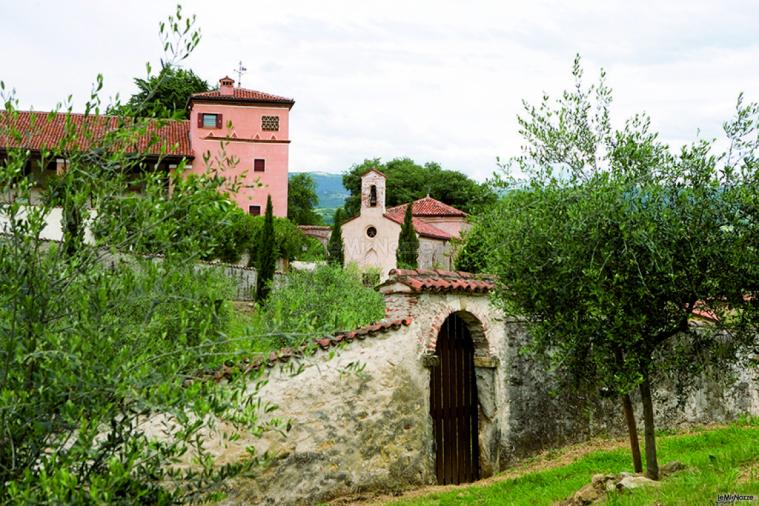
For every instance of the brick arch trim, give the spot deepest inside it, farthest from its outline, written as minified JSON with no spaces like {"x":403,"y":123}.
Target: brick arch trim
{"x":477,"y":325}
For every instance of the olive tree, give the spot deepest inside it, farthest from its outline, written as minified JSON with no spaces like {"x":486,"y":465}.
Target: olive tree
{"x":607,"y":243}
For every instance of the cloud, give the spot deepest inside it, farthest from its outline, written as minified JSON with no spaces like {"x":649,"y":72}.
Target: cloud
{"x":438,"y":81}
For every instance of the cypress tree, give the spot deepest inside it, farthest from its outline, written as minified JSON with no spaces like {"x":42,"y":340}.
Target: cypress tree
{"x":265,"y":255}
{"x":335,"y":246}
{"x":408,"y":243}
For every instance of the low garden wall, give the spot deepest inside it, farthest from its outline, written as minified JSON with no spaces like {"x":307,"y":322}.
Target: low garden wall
{"x":360,"y":407}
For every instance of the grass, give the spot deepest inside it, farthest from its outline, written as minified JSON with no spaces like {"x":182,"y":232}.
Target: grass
{"x":719,"y":461}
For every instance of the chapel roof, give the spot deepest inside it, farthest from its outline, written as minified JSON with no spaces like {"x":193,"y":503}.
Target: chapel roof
{"x":427,"y":206}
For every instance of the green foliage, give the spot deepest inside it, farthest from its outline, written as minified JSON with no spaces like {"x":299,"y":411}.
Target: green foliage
{"x":290,"y":242}
{"x":301,"y":200}
{"x":196,"y":217}
{"x":472,"y":252}
{"x":100,"y":352}
{"x":311,"y":304}
{"x":165,"y":95}
{"x":266,"y":254}
{"x":613,"y":242}
{"x":408,"y":243}
{"x":336,"y":255}
{"x":407,"y":181}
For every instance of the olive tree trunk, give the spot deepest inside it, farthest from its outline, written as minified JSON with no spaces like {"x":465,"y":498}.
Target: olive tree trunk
{"x":652,"y":466}
{"x":632,"y":430}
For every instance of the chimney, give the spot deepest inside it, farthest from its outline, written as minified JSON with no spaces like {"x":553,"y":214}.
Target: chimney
{"x":227,"y":85}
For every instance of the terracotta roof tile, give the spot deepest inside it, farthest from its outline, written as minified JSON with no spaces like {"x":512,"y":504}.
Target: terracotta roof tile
{"x":421,"y":227}
{"x":242,"y":95}
{"x":283,"y":355}
{"x":426,"y":280}
{"x":45,"y":131}
{"x":427,"y":206}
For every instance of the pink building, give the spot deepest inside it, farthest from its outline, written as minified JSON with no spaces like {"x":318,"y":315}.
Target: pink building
{"x":243,"y":134}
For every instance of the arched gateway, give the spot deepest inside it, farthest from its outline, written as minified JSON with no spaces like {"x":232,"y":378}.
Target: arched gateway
{"x":453,"y":404}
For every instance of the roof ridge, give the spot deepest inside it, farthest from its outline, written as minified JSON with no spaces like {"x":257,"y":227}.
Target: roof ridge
{"x":420,"y":226}
{"x":437,"y":280}
{"x":90,"y":115}
{"x":434,"y":207}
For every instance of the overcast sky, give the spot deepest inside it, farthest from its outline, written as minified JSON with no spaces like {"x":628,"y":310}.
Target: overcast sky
{"x":436,"y":81}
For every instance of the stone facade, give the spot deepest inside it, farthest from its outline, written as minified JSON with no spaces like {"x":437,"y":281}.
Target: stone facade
{"x":360,"y":413}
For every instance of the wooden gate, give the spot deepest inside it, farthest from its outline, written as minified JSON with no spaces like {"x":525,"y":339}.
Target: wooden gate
{"x":453,"y":405}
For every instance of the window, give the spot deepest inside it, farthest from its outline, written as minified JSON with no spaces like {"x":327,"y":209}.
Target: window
{"x":254,"y":210}
{"x":259,"y":165}
{"x":371,"y":231}
{"x":208,"y":120}
{"x":270,"y":123}
{"x":373,"y":196}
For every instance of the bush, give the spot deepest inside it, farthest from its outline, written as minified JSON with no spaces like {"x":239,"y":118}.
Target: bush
{"x":473,"y":250}
{"x":290,"y":242}
{"x":195,"y":218}
{"x":315,"y":303}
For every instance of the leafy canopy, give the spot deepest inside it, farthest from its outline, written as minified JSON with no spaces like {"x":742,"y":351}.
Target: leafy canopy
{"x":408,"y":181}
{"x":301,"y":200}
{"x":608,"y":243}
{"x":165,"y":95}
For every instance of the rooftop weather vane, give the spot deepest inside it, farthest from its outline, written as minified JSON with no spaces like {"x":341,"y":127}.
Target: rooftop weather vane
{"x":240,"y":71}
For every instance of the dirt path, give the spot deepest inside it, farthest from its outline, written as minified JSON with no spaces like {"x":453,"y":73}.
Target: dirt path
{"x":548,"y":459}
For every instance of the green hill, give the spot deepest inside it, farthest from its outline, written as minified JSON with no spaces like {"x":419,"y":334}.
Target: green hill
{"x":331,"y":193}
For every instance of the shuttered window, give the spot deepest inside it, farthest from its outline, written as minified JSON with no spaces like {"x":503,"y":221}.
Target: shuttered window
{"x":259,"y":165}
{"x":209,"y":120}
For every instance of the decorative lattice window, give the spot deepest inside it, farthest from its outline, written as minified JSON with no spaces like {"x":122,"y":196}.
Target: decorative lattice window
{"x":270,"y":123}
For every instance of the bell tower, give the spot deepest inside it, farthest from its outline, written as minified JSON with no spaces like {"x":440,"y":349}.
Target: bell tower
{"x":373,"y":192}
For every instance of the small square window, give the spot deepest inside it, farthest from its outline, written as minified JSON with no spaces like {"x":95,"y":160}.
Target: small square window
{"x":270,"y":123}
{"x":259,"y":165}
{"x":254,"y":210}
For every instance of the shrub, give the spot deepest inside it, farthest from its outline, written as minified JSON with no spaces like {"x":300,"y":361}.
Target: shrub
{"x":195,"y":218}
{"x":290,"y":242}
{"x":315,"y":303}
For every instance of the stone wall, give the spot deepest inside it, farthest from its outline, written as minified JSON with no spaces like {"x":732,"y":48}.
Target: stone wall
{"x":360,"y":412}
{"x":359,"y":423}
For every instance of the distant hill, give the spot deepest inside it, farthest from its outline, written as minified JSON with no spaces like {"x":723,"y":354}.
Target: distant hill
{"x":331,"y":192}
{"x":329,"y":189}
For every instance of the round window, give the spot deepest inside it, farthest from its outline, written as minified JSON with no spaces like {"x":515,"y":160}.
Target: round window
{"x":371,"y":231}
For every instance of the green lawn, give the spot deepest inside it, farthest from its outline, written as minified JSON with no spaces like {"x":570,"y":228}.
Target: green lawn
{"x":719,"y":461}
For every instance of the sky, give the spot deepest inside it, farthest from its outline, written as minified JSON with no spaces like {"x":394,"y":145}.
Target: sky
{"x":436,"y":81}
